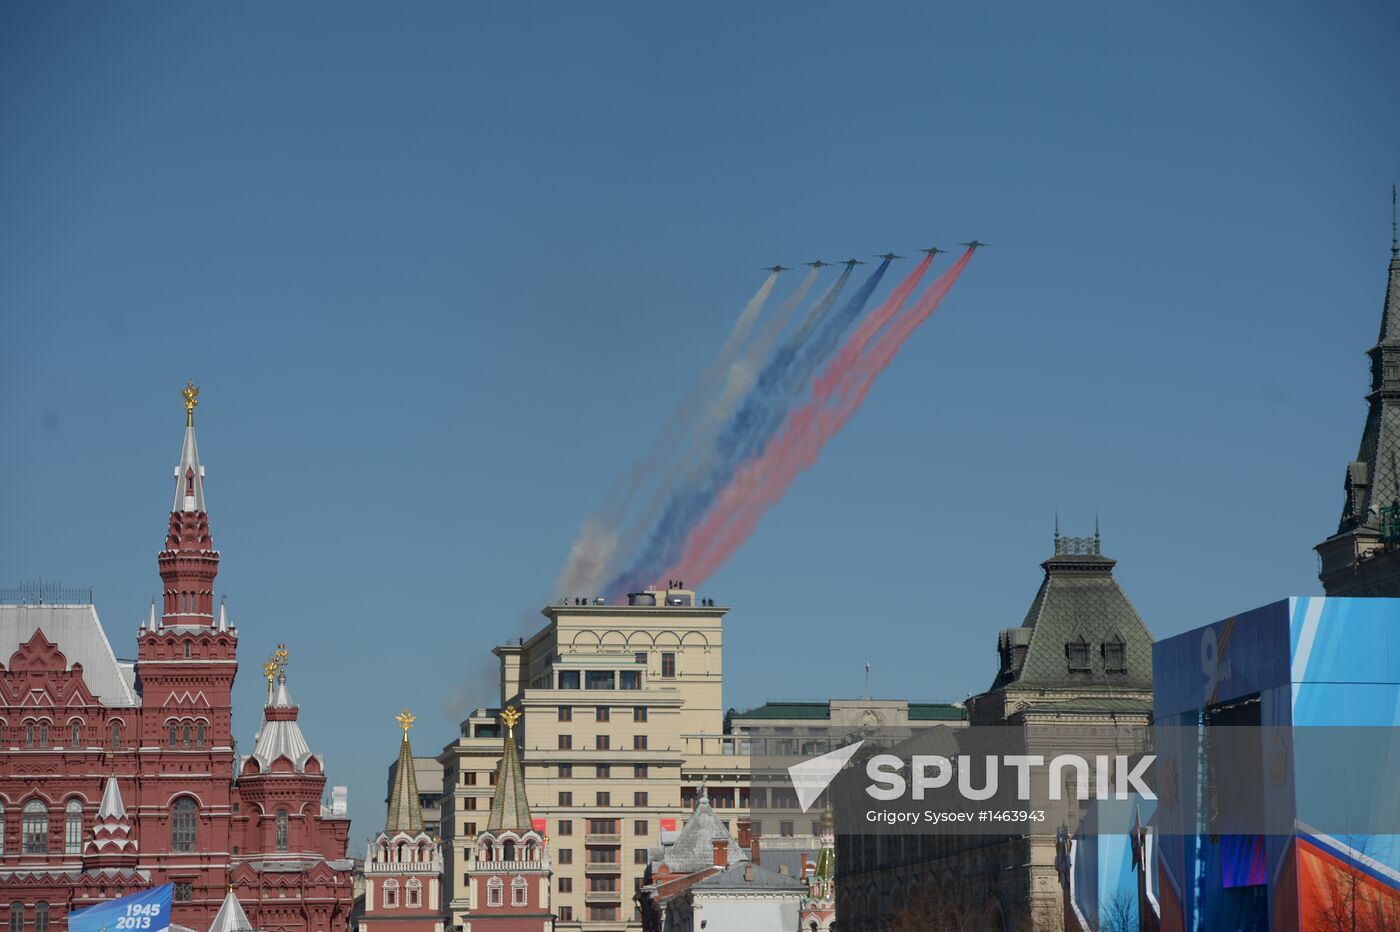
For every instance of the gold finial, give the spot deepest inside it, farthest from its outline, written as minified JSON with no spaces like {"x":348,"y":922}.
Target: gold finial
{"x":510,"y":716}
{"x":405,"y":720}
{"x":272,"y":667}
{"x":191,"y":395}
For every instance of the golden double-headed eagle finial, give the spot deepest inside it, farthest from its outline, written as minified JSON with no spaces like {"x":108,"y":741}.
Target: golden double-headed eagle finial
{"x":510,"y":716}
{"x":405,"y":720}
{"x":274,"y":664}
{"x":191,"y":395}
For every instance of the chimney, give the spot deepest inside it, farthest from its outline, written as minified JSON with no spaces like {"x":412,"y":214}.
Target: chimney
{"x":721,"y":846}
{"x":748,"y":873}
{"x":755,"y":855}
{"x":783,"y":869}
{"x":744,"y":838}
{"x":804,"y":865}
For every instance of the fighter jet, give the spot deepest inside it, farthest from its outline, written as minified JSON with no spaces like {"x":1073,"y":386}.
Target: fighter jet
{"x":818,"y":264}
{"x":851,"y":263}
{"x":888,"y":256}
{"x":933,"y":251}
{"x":775,"y":269}
{"x":974,"y":244}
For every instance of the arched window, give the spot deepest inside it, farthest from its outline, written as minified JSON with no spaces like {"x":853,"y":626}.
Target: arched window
{"x":41,"y":917}
{"x":283,"y":825}
{"x":199,"y":735}
{"x":415,"y":894}
{"x":116,"y":735}
{"x":487,"y":851}
{"x":519,"y":892}
{"x":35,"y":827}
{"x":29,"y":734}
{"x":72,"y":832}
{"x":2,"y":828}
{"x":174,"y":734}
{"x":77,"y":734}
{"x":508,"y":851}
{"x":183,"y":820}
{"x":187,"y":650}
{"x":495,"y":892}
{"x":391,"y":894}
{"x":43,"y":734}
{"x":187,"y":735}
{"x":16,"y":917}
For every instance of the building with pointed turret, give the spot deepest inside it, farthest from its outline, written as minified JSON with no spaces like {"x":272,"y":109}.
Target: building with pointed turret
{"x":403,"y":866}
{"x":1363,"y":557}
{"x":1076,"y":671}
{"x":119,"y":775}
{"x":509,"y":872}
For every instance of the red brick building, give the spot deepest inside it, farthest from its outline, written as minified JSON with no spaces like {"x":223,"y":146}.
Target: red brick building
{"x":117,"y":775}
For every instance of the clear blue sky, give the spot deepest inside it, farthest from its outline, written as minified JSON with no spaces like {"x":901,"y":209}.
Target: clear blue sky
{"x":441,"y":268}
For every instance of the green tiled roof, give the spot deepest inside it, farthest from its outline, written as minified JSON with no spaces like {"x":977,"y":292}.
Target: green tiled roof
{"x":1079,"y":601}
{"x":936,"y":712}
{"x":785,"y":710}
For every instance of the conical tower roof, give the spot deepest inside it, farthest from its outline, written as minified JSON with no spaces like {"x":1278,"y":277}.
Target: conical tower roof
{"x":510,"y":808}
{"x":230,"y":917}
{"x":405,"y":811}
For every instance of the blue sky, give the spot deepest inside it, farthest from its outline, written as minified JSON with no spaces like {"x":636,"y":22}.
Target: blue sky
{"x":442,"y":269}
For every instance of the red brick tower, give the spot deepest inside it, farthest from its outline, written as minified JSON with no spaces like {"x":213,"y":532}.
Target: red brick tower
{"x":510,"y":866}
{"x":403,"y":866}
{"x":118,"y":776}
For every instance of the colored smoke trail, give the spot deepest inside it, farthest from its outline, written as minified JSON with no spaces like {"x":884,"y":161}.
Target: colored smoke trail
{"x":594,"y":549}
{"x":763,"y":481}
{"x":784,"y":376}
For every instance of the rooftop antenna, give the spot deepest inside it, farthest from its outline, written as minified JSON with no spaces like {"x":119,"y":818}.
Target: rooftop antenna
{"x":867,"y":679}
{"x":1057,"y":530}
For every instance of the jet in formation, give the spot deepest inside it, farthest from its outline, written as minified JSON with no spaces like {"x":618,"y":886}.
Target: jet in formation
{"x":775,"y":269}
{"x":888,"y":256}
{"x":974,"y":244}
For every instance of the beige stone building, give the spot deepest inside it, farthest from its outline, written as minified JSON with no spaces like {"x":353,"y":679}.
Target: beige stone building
{"x":623,"y":723}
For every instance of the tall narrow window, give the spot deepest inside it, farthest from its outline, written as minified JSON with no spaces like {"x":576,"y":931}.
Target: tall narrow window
{"x":72,"y":830}
{"x":519,"y":892}
{"x":77,"y":736}
{"x":29,"y":735}
{"x":199,"y":735}
{"x":16,"y":917}
{"x":188,"y":651}
{"x":116,"y":735}
{"x":415,"y":893}
{"x":495,"y":892}
{"x":34,"y":825}
{"x":391,"y":894}
{"x":43,"y":734}
{"x":187,"y":735}
{"x":41,"y":917}
{"x":184,"y":815}
{"x":2,"y":828}
{"x":283,"y":827}
{"x":174,"y":734}
{"x":668,"y":665}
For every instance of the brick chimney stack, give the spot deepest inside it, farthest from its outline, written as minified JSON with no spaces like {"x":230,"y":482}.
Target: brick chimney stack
{"x":755,"y":854}
{"x":721,"y":847}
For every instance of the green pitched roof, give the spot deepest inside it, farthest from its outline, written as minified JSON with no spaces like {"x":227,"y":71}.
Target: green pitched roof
{"x":510,"y":808}
{"x":1079,"y":602}
{"x":405,"y":812}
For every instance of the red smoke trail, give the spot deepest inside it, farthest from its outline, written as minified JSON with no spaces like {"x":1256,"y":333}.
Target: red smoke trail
{"x":761,"y":482}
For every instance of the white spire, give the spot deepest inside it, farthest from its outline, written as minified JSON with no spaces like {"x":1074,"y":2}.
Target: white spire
{"x":153,"y":620}
{"x":112,"y":806}
{"x":189,"y":476}
{"x":230,"y":917}
{"x":223,"y":615}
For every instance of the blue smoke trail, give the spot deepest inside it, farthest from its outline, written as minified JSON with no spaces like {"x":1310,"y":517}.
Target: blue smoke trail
{"x":782,"y":379}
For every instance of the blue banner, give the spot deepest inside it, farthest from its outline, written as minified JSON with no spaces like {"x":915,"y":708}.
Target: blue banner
{"x":147,"y":911}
